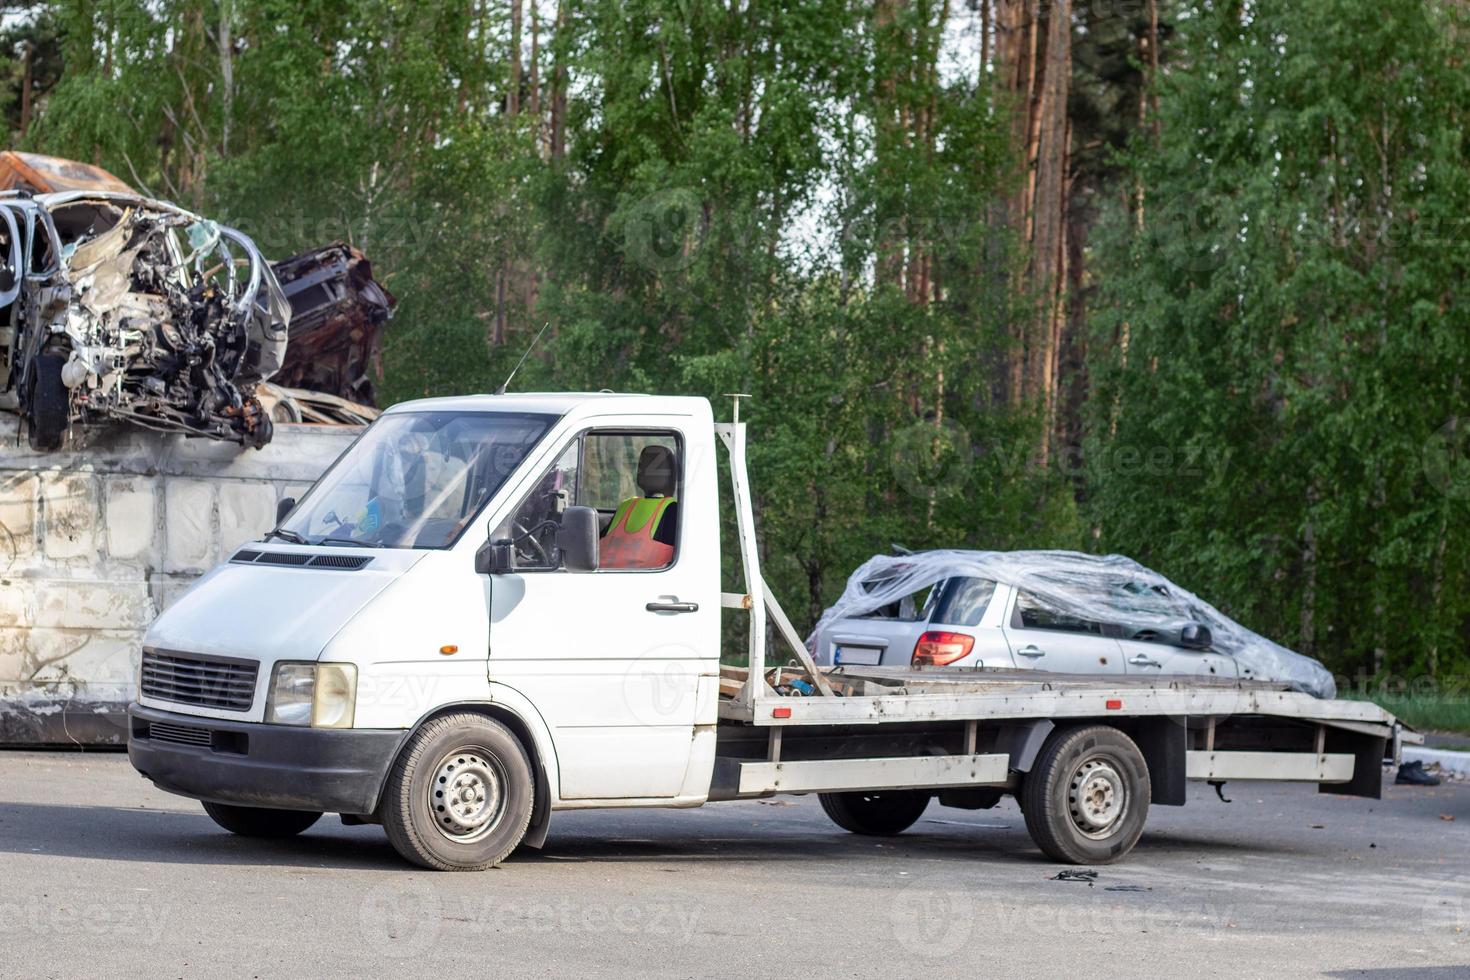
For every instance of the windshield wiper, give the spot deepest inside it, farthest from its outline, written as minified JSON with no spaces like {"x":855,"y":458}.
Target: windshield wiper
{"x":290,"y":536}
{"x":355,"y":544}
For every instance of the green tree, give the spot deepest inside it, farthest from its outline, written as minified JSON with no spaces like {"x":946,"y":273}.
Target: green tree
{"x":1280,"y":340}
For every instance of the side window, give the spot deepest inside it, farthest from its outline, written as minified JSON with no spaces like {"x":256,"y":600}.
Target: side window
{"x":632,"y":480}
{"x":907,"y":609}
{"x":962,"y":601}
{"x":535,"y":522}
{"x":1037,"y":614}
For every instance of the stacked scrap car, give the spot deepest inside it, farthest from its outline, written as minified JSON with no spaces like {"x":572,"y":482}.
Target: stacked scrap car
{"x":117,"y":307}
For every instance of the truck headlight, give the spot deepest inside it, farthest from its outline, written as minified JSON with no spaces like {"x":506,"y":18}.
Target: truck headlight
{"x":319,"y":695}
{"x":336,"y":696}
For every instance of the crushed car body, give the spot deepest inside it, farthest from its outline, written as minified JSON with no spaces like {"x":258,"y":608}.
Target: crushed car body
{"x":337,"y":315}
{"x":118,"y":307}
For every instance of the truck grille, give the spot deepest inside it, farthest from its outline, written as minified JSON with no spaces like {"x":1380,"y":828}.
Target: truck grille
{"x":182,"y":734}
{"x":209,"y":682}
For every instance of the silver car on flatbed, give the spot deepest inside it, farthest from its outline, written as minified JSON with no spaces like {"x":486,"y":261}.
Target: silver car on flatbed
{"x":970,"y":622}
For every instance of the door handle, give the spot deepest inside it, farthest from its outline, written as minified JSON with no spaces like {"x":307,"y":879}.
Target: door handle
{"x":1031,"y":650}
{"x":1143,"y":660}
{"x":674,"y":606}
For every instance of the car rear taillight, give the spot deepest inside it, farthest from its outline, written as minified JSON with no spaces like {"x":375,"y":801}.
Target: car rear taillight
{"x":937,"y":648}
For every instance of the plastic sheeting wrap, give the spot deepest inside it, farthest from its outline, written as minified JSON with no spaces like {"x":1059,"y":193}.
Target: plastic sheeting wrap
{"x":1110,"y":590}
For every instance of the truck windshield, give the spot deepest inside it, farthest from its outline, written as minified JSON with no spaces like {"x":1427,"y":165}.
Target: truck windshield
{"x":415,"y":479}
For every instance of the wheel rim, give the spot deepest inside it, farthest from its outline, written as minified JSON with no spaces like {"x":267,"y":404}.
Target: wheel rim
{"x":466,"y":797}
{"x":1097,"y":797}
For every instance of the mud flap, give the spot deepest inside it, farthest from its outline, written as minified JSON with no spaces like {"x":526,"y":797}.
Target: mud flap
{"x":540,"y":812}
{"x":1367,"y":752}
{"x":1163,"y":742}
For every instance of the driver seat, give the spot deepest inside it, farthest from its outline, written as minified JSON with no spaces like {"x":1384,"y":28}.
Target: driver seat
{"x":643,"y":530}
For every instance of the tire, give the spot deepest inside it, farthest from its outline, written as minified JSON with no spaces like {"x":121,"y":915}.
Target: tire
{"x":49,"y":406}
{"x":875,"y":814}
{"x":1086,"y":798}
{"x":252,"y":821}
{"x":487,"y":765}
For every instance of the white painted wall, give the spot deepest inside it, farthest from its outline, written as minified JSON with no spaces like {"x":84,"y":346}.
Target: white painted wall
{"x":98,"y":538}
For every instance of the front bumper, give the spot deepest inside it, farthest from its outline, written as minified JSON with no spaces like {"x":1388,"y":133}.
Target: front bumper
{"x":277,"y":766}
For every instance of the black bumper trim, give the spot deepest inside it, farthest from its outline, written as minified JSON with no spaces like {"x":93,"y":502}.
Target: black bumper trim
{"x":285,"y":768}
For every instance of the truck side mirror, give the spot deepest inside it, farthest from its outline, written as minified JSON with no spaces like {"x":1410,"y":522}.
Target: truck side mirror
{"x":1195,"y":637}
{"x":283,"y":508}
{"x":495,"y":557}
{"x":577,"y":539}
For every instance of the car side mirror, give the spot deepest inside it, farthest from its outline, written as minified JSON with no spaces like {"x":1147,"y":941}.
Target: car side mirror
{"x":1195,"y":637}
{"x":495,"y":557}
{"x":577,"y":539}
{"x":284,"y":506}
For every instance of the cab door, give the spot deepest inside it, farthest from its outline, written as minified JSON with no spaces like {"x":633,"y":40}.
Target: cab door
{"x":622,"y":663}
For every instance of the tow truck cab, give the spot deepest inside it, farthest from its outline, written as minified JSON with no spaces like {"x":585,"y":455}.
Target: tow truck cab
{"x":423,"y":576}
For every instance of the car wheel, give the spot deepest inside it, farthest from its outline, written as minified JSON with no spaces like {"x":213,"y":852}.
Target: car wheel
{"x":254,"y":821}
{"x":875,"y":814}
{"x":49,"y":404}
{"x":459,"y":798}
{"x":1086,"y":798}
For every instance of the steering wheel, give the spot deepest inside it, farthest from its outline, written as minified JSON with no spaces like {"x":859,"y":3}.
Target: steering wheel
{"x":529,"y":545}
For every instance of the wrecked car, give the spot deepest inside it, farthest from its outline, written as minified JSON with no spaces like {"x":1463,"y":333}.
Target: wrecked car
{"x":1058,"y":611}
{"x":117,"y":307}
{"x":337,"y":315}
{"x":40,"y":174}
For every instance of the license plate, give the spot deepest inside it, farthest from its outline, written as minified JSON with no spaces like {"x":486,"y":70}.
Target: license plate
{"x":862,"y":656}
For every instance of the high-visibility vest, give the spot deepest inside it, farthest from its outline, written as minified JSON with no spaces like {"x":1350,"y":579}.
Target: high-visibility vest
{"x":629,"y":541}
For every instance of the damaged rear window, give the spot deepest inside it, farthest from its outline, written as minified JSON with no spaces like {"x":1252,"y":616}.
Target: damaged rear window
{"x":415,"y":479}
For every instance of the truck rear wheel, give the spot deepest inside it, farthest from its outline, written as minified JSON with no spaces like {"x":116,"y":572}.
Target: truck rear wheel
{"x":1086,"y":798}
{"x":459,"y":797}
{"x":255,"y":821}
{"x":875,"y":814}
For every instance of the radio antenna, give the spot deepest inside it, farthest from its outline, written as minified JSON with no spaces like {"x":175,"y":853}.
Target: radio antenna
{"x":534,"y":341}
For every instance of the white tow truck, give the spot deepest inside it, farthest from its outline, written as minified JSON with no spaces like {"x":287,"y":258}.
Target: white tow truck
{"x":443,"y":637}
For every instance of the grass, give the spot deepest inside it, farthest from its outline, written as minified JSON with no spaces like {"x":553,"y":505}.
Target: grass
{"x":1426,"y":712}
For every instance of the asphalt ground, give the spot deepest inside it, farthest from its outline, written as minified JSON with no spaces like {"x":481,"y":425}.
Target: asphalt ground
{"x":103,"y":875}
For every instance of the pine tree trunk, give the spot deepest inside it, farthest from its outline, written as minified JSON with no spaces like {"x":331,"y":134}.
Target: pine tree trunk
{"x":513,"y":97}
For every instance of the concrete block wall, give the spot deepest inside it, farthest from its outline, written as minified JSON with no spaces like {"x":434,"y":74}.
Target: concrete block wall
{"x":98,"y":538}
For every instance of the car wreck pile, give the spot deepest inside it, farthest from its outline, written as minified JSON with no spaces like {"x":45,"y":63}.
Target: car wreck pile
{"x":115,"y":307}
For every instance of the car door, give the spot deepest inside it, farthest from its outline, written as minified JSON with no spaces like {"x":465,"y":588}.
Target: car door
{"x":1043,"y":637}
{"x":622,"y":663}
{"x":1149,"y":653}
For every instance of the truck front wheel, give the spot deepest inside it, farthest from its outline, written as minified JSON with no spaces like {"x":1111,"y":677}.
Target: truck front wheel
{"x":255,"y":821}
{"x":459,"y":797}
{"x":875,"y":814}
{"x":1087,"y":795}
